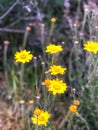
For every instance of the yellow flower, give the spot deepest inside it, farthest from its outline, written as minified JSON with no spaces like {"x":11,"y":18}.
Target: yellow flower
{"x":73,"y":109}
{"x":53,"y":20}
{"x":76,"y":102}
{"x":46,"y":82}
{"x":37,"y":112}
{"x":40,"y":117}
{"x":52,"y":49}
{"x":23,"y":56}
{"x":91,"y":46}
{"x":57,"y":86}
{"x":56,"y":69}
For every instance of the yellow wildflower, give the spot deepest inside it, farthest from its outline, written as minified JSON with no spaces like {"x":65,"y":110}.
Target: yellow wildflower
{"x":53,"y":20}
{"x":52,"y":49}
{"x":40,"y":117}
{"x":91,"y":46}
{"x":73,"y":109}
{"x":37,"y":112}
{"x":46,"y":82}
{"x":57,"y":86}
{"x":76,"y":102}
{"x":56,"y":69}
{"x":23,"y":56}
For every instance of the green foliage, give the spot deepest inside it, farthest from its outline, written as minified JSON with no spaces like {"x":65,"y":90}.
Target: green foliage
{"x":4,"y":5}
{"x":57,"y":2}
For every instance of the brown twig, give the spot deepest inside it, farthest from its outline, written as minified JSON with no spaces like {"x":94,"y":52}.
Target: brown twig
{"x":9,"y":10}
{"x":12,"y":30}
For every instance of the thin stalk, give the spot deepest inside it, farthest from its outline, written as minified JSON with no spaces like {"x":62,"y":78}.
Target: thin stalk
{"x":51,"y":29}
{"x":5,"y":63}
{"x":36,"y":80}
{"x":25,"y":39}
{"x":43,"y":41}
{"x":35,"y":67}
{"x":23,"y":113}
{"x":45,"y":98}
{"x":37,"y":127}
{"x":22,"y":76}
{"x":52,"y":102}
{"x":14,"y":80}
{"x":90,"y":71}
{"x":64,"y":120}
{"x":87,"y":126}
{"x":22,"y":65}
{"x":53,"y":59}
{"x":84,"y":20}
{"x":42,"y":37}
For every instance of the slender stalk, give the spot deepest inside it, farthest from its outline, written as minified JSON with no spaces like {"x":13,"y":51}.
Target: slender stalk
{"x":87,"y":126}
{"x":84,"y":20}
{"x":22,"y":76}
{"x":53,"y":59}
{"x":37,"y":128}
{"x":35,"y":67}
{"x":36,"y":81}
{"x":22,"y":65}
{"x":43,"y":41}
{"x":42,"y":36}
{"x":51,"y":29}
{"x":25,"y":39}
{"x":64,"y":120}
{"x":14,"y":80}
{"x":52,"y":102}
{"x":11,"y":30}
{"x":9,"y":10}
{"x":5,"y":63}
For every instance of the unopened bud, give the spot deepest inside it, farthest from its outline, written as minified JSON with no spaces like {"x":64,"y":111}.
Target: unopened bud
{"x":6,"y":42}
{"x":28,"y":28}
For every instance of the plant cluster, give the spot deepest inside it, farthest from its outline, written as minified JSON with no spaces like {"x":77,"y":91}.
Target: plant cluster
{"x":49,"y":79}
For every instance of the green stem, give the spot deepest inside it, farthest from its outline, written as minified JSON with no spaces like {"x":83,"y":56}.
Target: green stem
{"x":51,"y":29}
{"x":37,"y":128}
{"x":84,"y":121}
{"x":84,"y":21}
{"x":5,"y":63}
{"x":22,"y":65}
{"x":64,"y":120}
{"x":53,"y":59}
{"x":21,"y":76}
{"x":25,"y":39}
{"x":35,"y":67}
{"x":90,"y":71}
{"x":52,"y":102}
{"x":14,"y":78}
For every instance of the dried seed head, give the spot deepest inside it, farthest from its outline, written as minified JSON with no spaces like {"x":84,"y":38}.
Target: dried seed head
{"x":76,"y":42}
{"x":86,"y":8}
{"x":38,"y":97}
{"x":35,"y":58}
{"x":6,"y":42}
{"x":21,"y":101}
{"x":31,"y":101}
{"x":42,"y":63}
{"x":28,"y":28}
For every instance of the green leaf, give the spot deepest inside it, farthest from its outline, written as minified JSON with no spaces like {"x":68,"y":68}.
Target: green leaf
{"x":59,"y":2}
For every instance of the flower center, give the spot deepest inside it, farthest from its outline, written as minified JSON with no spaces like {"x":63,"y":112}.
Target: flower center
{"x":56,"y":86}
{"x":41,"y":118}
{"x":23,"y":56}
{"x":57,"y":70}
